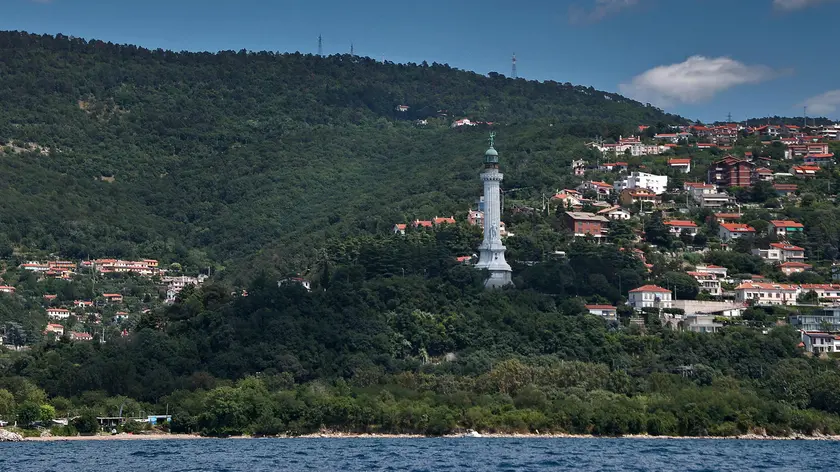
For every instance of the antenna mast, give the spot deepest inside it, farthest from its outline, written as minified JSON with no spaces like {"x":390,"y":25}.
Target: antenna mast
{"x":729,"y":117}
{"x":351,"y":50}
{"x":805,"y":112}
{"x":320,"y":46}
{"x":513,"y":66}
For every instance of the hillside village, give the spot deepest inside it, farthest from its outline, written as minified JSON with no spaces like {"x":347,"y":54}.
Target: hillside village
{"x":720,"y":205}
{"x":87,"y":300}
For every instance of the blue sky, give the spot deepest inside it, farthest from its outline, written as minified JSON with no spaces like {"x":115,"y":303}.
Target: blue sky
{"x":700,"y":58}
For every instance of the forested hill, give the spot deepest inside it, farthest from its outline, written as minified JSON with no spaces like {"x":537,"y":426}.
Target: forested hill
{"x":121,"y":151}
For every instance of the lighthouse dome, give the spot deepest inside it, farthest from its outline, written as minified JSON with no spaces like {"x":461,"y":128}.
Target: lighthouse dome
{"x":491,"y":152}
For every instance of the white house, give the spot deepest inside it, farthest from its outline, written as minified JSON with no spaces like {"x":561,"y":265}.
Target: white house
{"x":600,"y":188}
{"x":730,"y":231}
{"x":638,"y":180}
{"x":615,"y":213}
{"x":682,"y":165}
{"x":606,"y":311}
{"x":677,"y":227}
{"x":781,"y":252}
{"x":649,"y":296}
{"x":818,"y":343}
{"x":709,"y":283}
{"x":58,"y":313}
{"x":712,"y":269}
{"x":766,"y":293}
{"x":784,"y":228}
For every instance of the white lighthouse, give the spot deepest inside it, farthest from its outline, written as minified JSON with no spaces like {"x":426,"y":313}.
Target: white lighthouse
{"x":492,"y":250}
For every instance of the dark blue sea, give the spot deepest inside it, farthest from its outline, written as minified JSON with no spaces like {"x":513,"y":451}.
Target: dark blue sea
{"x":479,"y":454}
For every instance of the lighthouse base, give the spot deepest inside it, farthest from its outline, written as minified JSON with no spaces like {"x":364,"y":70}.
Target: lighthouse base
{"x":498,"y":279}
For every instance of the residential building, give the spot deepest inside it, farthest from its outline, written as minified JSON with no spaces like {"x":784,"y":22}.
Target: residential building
{"x":730,"y":231}
{"x":437,"y":221}
{"x":714,"y":200}
{"x":83,"y":304}
{"x":463,"y":122}
{"x":600,"y":188}
{"x":399,"y":228}
{"x":583,"y":224}
{"x":766,"y":293}
{"x":819,"y":160}
{"x":613,"y":166}
{"x":642,"y":180}
{"x":731,"y":171}
{"x":35,"y":266}
{"x":649,"y":296}
{"x":678,"y":227}
{"x":113,"y":297}
{"x":58,"y":313}
{"x":637,"y":198}
{"x":615,"y":213}
{"x":633,"y":145}
{"x":789,"y":252}
{"x":75,"y":336}
{"x":709,"y":283}
{"x":682,"y":165}
{"x":475,"y":218}
{"x":784,"y":228}
{"x":55,"y":329}
{"x":6,"y":289}
{"x":770,"y":131}
{"x":146,"y":267}
{"x":568,"y":198}
{"x":702,"y":324}
{"x":605,"y":311}
{"x":826,"y":319}
{"x":296,"y":281}
{"x":763,"y":174}
{"x":673,"y":138}
{"x":578,"y":167}
{"x":726,"y":217}
{"x":712,"y":269}
{"x":801,"y":150}
{"x":818,"y":343}
{"x":789,"y":268}
{"x":831,"y":132}
{"x":785,"y":190}
{"x":709,"y":307}
{"x":830,"y":292}
{"x":804,"y":171}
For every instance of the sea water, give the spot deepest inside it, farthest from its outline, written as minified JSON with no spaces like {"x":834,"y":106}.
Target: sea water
{"x":445,"y":454}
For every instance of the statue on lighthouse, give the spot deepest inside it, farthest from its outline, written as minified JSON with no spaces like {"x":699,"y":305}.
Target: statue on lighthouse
{"x":492,"y":251}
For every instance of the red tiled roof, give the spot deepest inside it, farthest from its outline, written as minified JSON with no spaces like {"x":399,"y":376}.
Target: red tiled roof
{"x":650,"y":288}
{"x":785,"y":186}
{"x":728,"y":215}
{"x":786,"y":224}
{"x":686,"y":223}
{"x":679,"y":161}
{"x":796,"y":264}
{"x":600,"y":307}
{"x":737,"y":228}
{"x":765,"y":286}
{"x":786,"y":247}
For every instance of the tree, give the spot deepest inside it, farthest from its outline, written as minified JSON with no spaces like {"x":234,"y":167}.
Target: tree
{"x":28,"y":413}
{"x":685,"y":287}
{"x":86,"y":423}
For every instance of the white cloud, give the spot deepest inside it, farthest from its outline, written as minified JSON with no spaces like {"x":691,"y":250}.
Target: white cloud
{"x":697,"y":79}
{"x":823,"y":104}
{"x":789,"y":5}
{"x":599,"y":10}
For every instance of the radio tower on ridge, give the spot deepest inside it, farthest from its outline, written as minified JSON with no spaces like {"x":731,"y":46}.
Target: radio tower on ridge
{"x":320,"y":46}
{"x":513,"y":66}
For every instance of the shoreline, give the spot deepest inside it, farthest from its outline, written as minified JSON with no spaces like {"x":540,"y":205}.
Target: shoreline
{"x":334,"y":435}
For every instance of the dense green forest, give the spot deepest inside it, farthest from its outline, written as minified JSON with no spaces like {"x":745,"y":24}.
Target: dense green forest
{"x":397,"y":337}
{"x":209,"y":159}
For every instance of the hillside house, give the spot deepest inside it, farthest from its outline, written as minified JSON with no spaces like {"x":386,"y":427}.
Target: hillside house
{"x":804,"y":171}
{"x":58,"y":313}
{"x":726,"y":217}
{"x":463,"y":122}
{"x":682,"y":165}
{"x":600,"y":188}
{"x":819,"y":160}
{"x":829,"y":292}
{"x":730,"y":231}
{"x":113,"y":297}
{"x":766,"y":293}
{"x":713,"y":269}
{"x":636,"y":198}
{"x":784,"y":228}
{"x":678,"y":227}
{"x":818,"y":343}
{"x":475,"y":218}
{"x":583,"y":224}
{"x":613,"y":166}
{"x":83,"y":304}
{"x":826,"y":318}
{"x":642,"y":180}
{"x":615,"y":213}
{"x":793,"y":267}
{"x":568,"y":198}
{"x":785,"y":190}
{"x":605,"y":311}
{"x":437,"y":221}
{"x":763,"y":174}
{"x":789,"y":252}
{"x":7,"y":289}
{"x":795,"y":151}
{"x":649,"y":296}
{"x":399,"y":228}
{"x":731,"y":171}
{"x":76,"y":336}
{"x":709,"y":282}
{"x":55,"y":329}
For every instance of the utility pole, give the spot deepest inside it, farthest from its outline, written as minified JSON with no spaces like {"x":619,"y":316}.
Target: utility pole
{"x":805,"y":113}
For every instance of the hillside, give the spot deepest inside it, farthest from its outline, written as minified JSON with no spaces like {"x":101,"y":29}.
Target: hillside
{"x":212,"y":158}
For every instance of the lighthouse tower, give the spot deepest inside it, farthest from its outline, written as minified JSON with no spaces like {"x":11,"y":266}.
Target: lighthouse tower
{"x":492,"y":250}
